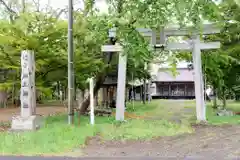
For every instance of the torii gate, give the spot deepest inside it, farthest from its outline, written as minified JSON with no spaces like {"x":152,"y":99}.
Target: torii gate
{"x":195,"y":46}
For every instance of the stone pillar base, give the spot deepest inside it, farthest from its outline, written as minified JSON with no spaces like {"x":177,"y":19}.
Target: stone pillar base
{"x":31,"y":123}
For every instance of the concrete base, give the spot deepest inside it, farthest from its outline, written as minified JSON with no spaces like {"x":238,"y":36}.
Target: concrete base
{"x":31,"y":123}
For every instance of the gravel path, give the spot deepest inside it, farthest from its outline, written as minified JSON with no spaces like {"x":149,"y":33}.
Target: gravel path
{"x":97,"y":158}
{"x":34,"y":158}
{"x":208,"y":142}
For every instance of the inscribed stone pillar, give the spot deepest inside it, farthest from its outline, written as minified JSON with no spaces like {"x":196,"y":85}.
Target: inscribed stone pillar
{"x":26,"y":94}
{"x":27,"y":119}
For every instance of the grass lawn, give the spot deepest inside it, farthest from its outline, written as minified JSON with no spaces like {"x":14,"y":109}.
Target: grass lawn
{"x":220,"y":120}
{"x":213,"y":119}
{"x":58,"y":137}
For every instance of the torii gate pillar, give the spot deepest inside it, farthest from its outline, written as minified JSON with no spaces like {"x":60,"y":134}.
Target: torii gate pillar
{"x":198,"y":80}
{"x":121,"y":82}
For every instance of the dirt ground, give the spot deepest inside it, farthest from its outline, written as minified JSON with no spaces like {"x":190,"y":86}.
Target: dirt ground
{"x":208,"y":142}
{"x":7,"y":114}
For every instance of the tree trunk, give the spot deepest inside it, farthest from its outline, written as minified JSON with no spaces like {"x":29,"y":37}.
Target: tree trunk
{"x":86,"y":102}
{"x":65,"y":93}
{"x":80,"y":97}
{"x":224,"y":99}
{"x":100,"y":78}
{"x":237,"y":96}
{"x":16,"y":98}
{"x":214,"y":98}
{"x":3,"y":99}
{"x":39,"y":97}
{"x":13,"y":94}
{"x":144,"y":92}
{"x":141,"y":93}
{"x":58,"y":91}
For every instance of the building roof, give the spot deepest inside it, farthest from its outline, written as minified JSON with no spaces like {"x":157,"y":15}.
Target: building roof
{"x":183,"y":75}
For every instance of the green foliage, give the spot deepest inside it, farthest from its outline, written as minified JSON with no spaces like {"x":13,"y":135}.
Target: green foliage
{"x":221,"y":67}
{"x":46,"y":34}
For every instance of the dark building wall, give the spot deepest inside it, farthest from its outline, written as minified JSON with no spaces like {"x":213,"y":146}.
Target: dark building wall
{"x":174,"y":90}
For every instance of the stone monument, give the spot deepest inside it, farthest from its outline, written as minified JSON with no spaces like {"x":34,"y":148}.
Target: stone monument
{"x":28,"y":120}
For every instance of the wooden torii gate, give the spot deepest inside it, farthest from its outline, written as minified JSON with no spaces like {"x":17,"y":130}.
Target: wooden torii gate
{"x":194,"y":45}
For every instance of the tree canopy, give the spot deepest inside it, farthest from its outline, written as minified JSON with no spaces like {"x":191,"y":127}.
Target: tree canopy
{"x":222,"y":66}
{"x":24,"y":26}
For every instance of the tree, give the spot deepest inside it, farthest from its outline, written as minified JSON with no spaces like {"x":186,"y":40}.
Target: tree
{"x":39,"y":32}
{"x":45,"y":33}
{"x":222,"y":66}
{"x":127,"y":15}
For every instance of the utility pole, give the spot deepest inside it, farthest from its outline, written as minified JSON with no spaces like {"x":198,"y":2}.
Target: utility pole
{"x":70,"y":63}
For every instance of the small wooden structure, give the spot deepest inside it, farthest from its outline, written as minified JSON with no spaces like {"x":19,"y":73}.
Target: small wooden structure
{"x":169,"y":86}
{"x":136,"y":92}
{"x":175,"y":90}
{"x":108,"y":92}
